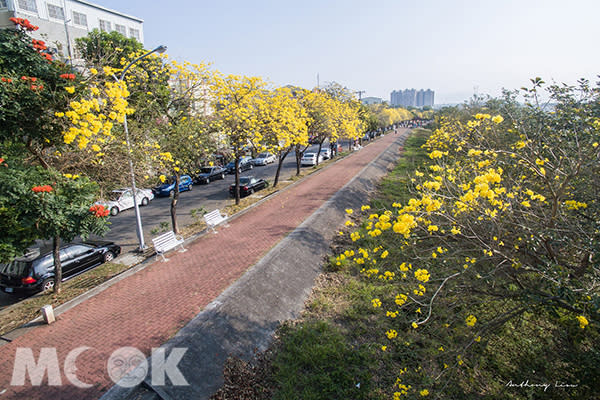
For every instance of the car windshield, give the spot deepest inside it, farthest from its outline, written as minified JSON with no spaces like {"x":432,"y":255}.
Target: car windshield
{"x":15,"y":268}
{"x":114,"y":196}
{"x":231,"y":164}
{"x":263,"y":155}
{"x":309,"y":155}
{"x":244,"y":180}
{"x":206,"y":170}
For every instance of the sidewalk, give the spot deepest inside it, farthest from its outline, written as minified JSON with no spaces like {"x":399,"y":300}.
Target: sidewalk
{"x":147,"y":309}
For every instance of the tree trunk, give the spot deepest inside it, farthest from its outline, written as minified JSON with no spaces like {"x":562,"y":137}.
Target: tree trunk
{"x":174,"y":201}
{"x":298,"y":157}
{"x":57,"y":264}
{"x":280,"y":159}
{"x":319,"y":152}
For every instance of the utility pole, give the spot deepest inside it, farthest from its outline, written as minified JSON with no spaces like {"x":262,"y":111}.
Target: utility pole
{"x":359,"y":92}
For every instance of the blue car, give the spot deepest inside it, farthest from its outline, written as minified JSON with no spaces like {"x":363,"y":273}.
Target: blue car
{"x":168,"y":188}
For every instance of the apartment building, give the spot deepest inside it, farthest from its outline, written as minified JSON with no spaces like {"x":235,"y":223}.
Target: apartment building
{"x":412,"y":98}
{"x":62,"y":21}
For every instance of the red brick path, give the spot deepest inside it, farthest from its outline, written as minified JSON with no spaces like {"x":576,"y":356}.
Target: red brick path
{"x":147,"y":308}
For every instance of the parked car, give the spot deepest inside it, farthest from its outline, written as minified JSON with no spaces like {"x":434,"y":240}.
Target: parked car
{"x":208,"y":174}
{"x":168,"y":188}
{"x":34,"y":272}
{"x":245,"y":164}
{"x":326,"y":154}
{"x":310,"y":159}
{"x":248,"y":185}
{"x":264,"y":159}
{"x":122,"y":199}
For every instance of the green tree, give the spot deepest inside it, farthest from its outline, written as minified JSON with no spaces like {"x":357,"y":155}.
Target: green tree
{"x":113,"y":49}
{"x":31,"y":89}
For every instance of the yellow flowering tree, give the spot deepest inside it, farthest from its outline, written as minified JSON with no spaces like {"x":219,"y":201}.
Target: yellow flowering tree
{"x":283,"y":123}
{"x":180,"y":129}
{"x":501,"y":227}
{"x":322,"y":110}
{"x":237,"y":102}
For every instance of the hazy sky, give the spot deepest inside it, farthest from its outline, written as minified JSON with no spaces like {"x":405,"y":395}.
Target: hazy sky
{"x":451,"y":46}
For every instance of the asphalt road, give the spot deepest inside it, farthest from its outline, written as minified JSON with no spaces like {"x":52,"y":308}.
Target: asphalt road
{"x":207,"y":196}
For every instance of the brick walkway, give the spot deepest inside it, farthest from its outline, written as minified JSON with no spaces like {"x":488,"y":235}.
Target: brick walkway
{"x":148,"y":308}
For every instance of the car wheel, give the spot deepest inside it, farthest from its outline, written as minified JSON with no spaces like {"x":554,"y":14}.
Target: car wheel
{"x":251,"y":166}
{"x":114,"y":211}
{"x":189,"y":188}
{"x":108,"y":256}
{"x":48,"y":284}
{"x":251,"y":191}
{"x":239,"y":170}
{"x":222,"y":175}
{"x":145,"y":201}
{"x":207,"y":181}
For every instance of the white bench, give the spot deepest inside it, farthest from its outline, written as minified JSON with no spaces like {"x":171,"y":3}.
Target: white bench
{"x":214,"y":218}
{"x":166,"y":242}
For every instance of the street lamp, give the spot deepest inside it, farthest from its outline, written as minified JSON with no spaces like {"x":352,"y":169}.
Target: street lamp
{"x":138,"y":219}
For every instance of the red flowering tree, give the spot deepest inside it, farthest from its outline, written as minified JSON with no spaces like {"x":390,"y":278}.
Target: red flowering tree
{"x":38,"y":203}
{"x":32,"y":89}
{"x":36,"y":200}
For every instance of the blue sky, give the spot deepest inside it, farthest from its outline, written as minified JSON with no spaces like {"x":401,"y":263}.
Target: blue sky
{"x":455,"y":47}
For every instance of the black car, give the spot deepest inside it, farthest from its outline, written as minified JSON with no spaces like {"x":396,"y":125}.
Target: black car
{"x":248,"y":185}
{"x":34,"y":272}
{"x":208,"y":174}
{"x":245,"y":164}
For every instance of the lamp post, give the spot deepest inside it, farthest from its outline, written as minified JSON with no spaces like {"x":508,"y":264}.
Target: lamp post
{"x":138,"y":219}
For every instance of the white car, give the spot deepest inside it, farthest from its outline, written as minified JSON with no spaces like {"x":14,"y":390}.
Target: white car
{"x":310,"y":159}
{"x":264,"y":159}
{"x":122,"y":199}
{"x":326,"y":154}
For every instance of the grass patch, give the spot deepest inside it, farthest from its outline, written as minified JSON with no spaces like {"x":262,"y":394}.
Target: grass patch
{"x":340,"y":339}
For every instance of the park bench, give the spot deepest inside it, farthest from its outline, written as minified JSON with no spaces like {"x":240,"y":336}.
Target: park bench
{"x":214,"y":218}
{"x":166,"y":242}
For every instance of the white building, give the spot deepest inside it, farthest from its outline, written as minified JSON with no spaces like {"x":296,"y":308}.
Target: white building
{"x":371,"y":100}
{"x":81,"y":17}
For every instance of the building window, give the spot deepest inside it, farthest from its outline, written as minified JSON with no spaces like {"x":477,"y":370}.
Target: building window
{"x":56,"y":12}
{"x":28,"y":5}
{"x":134,"y":33}
{"x":79,"y":19}
{"x":3,"y":4}
{"x":104,"y":26}
{"x":121,"y":29}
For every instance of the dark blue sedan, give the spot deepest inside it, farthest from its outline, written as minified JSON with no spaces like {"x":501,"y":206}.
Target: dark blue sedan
{"x":168,"y":188}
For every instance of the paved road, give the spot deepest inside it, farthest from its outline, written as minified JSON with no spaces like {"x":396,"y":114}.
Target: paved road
{"x":147,"y":308}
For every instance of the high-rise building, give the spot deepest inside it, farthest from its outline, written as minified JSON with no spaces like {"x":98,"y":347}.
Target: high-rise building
{"x":412,"y":98}
{"x":61,"y":22}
